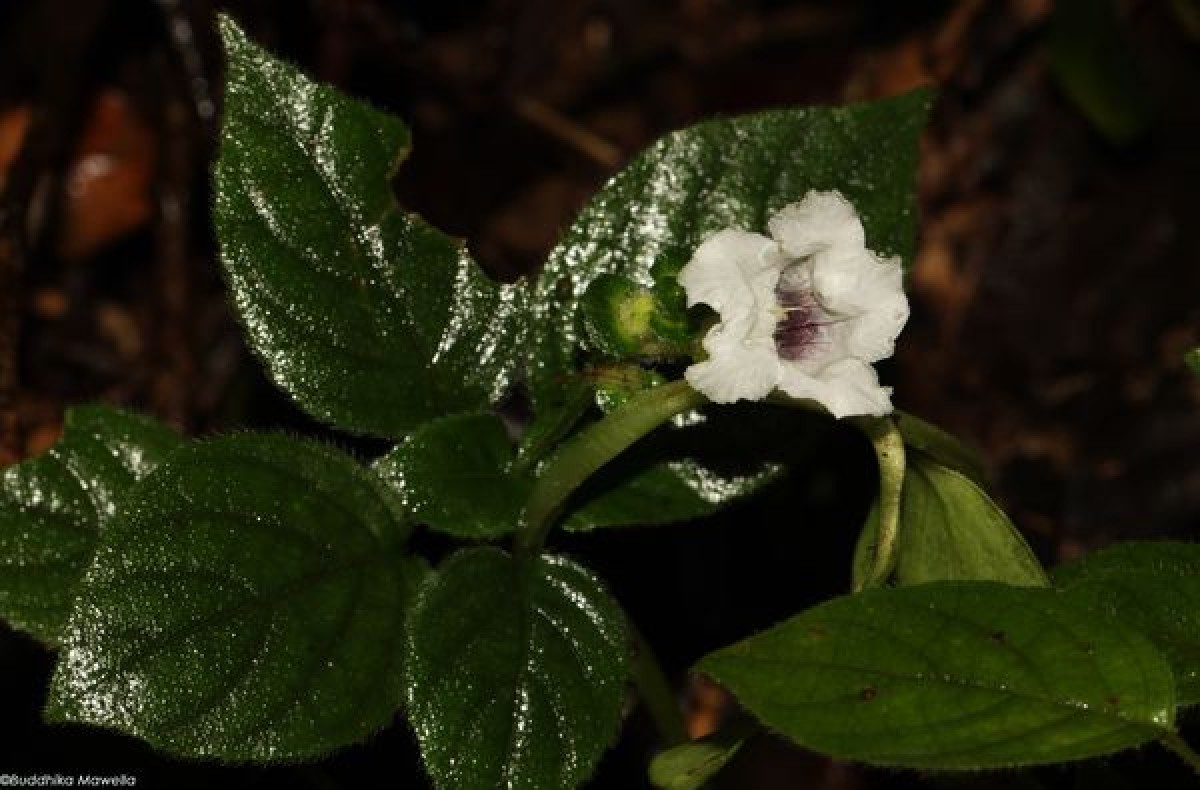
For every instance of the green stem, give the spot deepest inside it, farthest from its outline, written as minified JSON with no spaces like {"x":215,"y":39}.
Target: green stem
{"x":1179,"y":747}
{"x":655,"y":691}
{"x":580,"y":458}
{"x":889,"y":453}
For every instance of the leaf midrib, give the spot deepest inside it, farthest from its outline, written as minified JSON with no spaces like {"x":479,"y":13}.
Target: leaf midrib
{"x":792,"y":661}
{"x":334,"y":194}
{"x":435,"y":391}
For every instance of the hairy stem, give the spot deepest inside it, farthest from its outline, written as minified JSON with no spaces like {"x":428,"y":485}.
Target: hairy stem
{"x":592,"y":448}
{"x":655,"y":691}
{"x":889,"y":453}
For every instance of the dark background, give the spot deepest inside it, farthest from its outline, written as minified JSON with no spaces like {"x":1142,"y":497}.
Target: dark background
{"x":1054,"y":290}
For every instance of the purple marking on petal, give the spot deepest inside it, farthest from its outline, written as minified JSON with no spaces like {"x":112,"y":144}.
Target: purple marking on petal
{"x":798,"y":332}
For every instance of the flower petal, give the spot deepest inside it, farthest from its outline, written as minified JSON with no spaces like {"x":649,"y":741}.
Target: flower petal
{"x":846,"y":388}
{"x":868,"y":293}
{"x":741,"y":364}
{"x":731,"y":378}
{"x":872,"y":336}
{"x":821,"y":221}
{"x":851,"y":282}
{"x":732,"y":272}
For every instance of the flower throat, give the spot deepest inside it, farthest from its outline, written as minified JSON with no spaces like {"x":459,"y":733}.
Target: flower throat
{"x":799,"y":324}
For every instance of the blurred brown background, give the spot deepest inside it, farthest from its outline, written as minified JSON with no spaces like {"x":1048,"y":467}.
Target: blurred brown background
{"x":1055,"y":288}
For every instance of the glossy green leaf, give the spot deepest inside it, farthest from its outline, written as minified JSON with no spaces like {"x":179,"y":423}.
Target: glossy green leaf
{"x":1192,"y":360}
{"x":52,"y":509}
{"x":950,"y":529}
{"x":516,"y":669}
{"x":953,"y":675}
{"x":368,"y":317}
{"x":1153,"y":587}
{"x":731,"y":172}
{"x":454,"y":476}
{"x":247,"y":604}
{"x":942,"y":447}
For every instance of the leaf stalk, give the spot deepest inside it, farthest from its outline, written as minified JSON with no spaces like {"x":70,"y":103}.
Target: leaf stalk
{"x":655,"y":691}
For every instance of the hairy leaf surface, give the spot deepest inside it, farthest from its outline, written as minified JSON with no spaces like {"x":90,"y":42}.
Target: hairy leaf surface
{"x":516,"y":669}
{"x":1154,"y":587}
{"x":53,"y":508}
{"x":247,"y":604}
{"x":953,"y":675}
{"x":370,"y":318}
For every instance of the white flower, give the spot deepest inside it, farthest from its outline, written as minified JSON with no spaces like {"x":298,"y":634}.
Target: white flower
{"x":806,"y":311}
